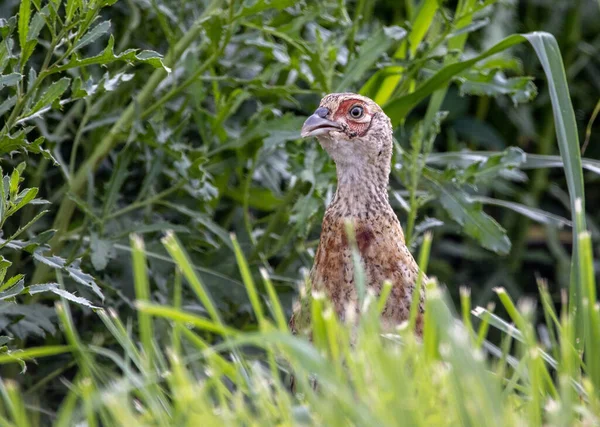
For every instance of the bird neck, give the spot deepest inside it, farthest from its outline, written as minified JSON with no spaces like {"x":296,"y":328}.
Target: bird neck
{"x":361,"y":189}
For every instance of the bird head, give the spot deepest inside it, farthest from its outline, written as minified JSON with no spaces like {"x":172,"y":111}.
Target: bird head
{"x":352,"y":128}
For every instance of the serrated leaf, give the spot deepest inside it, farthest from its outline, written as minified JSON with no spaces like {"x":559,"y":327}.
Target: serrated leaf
{"x":50,"y":95}
{"x":24,"y":16}
{"x":73,"y":269}
{"x":469,"y":215}
{"x":85,"y":279}
{"x":10,"y":79}
{"x":36,"y":147}
{"x":7,"y":104}
{"x":37,"y":23}
{"x":17,"y":289}
{"x":55,"y":289}
{"x":71,"y":8}
{"x":92,"y":35}
{"x":28,"y":50}
{"x":108,"y":56}
{"x":11,"y":282}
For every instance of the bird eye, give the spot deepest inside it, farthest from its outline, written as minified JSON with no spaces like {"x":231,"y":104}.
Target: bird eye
{"x":356,"y":112}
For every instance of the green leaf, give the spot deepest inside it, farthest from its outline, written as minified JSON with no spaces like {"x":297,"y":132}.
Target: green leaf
{"x":369,"y":53}
{"x":420,"y":26}
{"x":108,"y":56}
{"x":12,"y":281}
{"x":27,"y":51}
{"x":466,"y":212}
{"x":102,"y":252}
{"x":494,"y":83}
{"x":55,"y":289}
{"x":548,"y":53}
{"x":7,"y":104}
{"x":397,"y":108}
{"x":23,"y":199}
{"x":50,"y":95}
{"x":71,"y":8}
{"x":532,"y":161}
{"x":470,"y":28}
{"x":17,"y":289}
{"x":538,"y":215}
{"x":72,"y":269}
{"x":37,"y":23}
{"x":34,"y":352}
{"x":24,"y":15}
{"x":14,"y":184}
{"x":252,"y":7}
{"x":92,"y":35}
{"x":9,"y":80}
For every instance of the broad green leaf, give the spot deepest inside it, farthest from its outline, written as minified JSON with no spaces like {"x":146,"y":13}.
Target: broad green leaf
{"x":370,"y":52}
{"x":9,"y":80}
{"x":91,"y":36}
{"x":567,"y":136}
{"x":466,"y":212}
{"x":50,"y":95}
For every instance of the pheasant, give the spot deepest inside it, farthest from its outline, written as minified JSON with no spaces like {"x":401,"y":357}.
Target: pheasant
{"x":357,"y":135}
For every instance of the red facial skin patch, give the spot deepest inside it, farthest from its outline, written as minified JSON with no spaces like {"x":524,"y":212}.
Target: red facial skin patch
{"x":342,"y":115}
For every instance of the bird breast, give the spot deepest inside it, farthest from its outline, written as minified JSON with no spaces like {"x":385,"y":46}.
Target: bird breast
{"x":384,"y":256}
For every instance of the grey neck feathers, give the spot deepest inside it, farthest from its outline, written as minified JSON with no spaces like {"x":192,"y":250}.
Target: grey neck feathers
{"x":361,"y":189}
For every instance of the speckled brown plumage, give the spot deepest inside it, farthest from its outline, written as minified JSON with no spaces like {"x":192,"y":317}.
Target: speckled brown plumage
{"x":361,"y":147}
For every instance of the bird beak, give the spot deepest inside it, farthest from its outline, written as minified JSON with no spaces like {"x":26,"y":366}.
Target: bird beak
{"x":317,"y":124}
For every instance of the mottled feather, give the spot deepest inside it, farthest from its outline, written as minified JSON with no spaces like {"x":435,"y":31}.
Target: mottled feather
{"x":362,"y":150}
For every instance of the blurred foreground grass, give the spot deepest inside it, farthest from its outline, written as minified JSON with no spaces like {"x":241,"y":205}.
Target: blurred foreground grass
{"x":363,"y":376}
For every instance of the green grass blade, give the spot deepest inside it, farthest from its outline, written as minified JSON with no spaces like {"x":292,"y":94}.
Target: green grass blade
{"x":182,"y":259}
{"x":248,"y":281}
{"x":548,"y":53}
{"x":142,"y":293}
